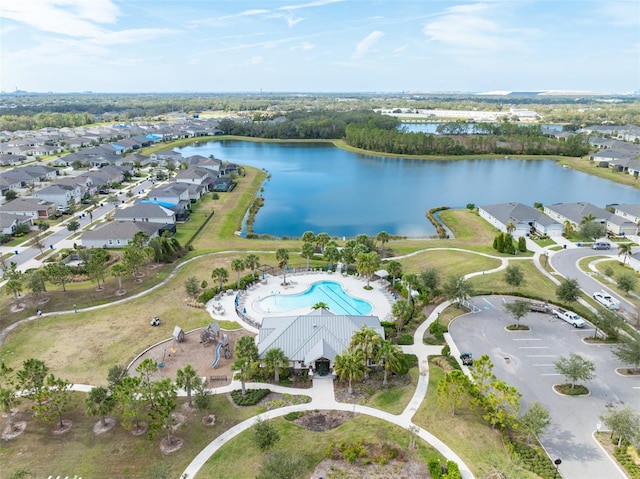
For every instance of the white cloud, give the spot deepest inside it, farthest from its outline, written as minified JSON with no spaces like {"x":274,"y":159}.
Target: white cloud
{"x":365,"y":44}
{"x":75,"y":18}
{"x":304,"y":46}
{"x":291,"y":21}
{"x":256,"y":60}
{"x":620,"y":13}
{"x":467,"y":27}
{"x":401,"y":49}
{"x":318,"y":3}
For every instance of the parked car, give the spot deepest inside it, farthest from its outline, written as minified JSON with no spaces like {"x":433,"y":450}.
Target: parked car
{"x":601,"y":245}
{"x":606,"y":300}
{"x":538,"y":307}
{"x":467,"y":359}
{"x":570,"y":317}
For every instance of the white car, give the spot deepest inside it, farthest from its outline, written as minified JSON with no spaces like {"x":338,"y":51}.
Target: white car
{"x":606,"y":300}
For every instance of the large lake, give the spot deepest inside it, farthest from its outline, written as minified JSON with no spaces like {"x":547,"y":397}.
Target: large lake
{"x":323,"y":188}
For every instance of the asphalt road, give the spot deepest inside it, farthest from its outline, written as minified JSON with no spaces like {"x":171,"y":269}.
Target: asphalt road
{"x":525,"y":360}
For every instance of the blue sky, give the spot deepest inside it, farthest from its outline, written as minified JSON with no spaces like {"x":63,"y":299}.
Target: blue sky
{"x":319,"y":45}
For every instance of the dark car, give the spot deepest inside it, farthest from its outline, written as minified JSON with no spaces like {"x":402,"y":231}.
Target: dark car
{"x":467,"y":359}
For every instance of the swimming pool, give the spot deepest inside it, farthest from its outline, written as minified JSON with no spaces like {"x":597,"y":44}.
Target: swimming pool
{"x":329,"y":292}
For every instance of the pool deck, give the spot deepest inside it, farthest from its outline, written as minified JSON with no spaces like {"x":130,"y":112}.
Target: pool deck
{"x":249,"y":301}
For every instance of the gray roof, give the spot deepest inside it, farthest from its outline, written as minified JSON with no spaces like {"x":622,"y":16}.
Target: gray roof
{"x":143,"y":210}
{"x":309,"y":337}
{"x":576,"y":211}
{"x":620,"y":221}
{"x":516,"y":212}
{"x":632,"y":209}
{"x":8,"y":219}
{"x":26,"y":204}
{"x":122,"y":230}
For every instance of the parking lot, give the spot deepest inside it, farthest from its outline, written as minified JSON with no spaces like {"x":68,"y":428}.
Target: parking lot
{"x":525,"y":359}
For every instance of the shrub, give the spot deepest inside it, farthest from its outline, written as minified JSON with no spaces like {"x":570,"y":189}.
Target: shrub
{"x":446,"y":350}
{"x":437,"y":330}
{"x":622,"y":455}
{"x":435,"y":470}
{"x":292,"y":416}
{"x":207,"y":295}
{"x":253,"y":396}
{"x":405,"y":340}
{"x":453,"y":472}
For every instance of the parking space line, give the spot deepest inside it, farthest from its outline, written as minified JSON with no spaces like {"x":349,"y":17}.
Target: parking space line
{"x":489,"y":303}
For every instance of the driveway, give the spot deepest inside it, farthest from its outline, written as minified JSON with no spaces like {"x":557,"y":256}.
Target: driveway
{"x":525,"y":360}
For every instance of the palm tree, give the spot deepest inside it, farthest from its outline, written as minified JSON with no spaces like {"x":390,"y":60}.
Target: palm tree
{"x":275,"y":359}
{"x":221,"y":275}
{"x":282,"y":255}
{"x":510,"y":227}
{"x":587,"y":219}
{"x":322,"y":239}
{"x":119,"y":270}
{"x":383,"y":237}
{"x":367,"y":341}
{"x":568,"y":227}
{"x":368,"y":264}
{"x":246,"y":356}
{"x":100,"y":402}
{"x":402,"y":311}
{"x":237,"y":265}
{"x":186,"y":379}
{"x":394,"y":268}
{"x":625,"y":250}
{"x":350,"y":365}
{"x":252,"y":261}
{"x":391,"y":357}
{"x":308,"y":237}
{"x":307,"y":252}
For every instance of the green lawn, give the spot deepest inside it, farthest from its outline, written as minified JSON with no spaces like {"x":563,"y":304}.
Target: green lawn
{"x":241,"y":459}
{"x":395,"y":399}
{"x":449,"y":263}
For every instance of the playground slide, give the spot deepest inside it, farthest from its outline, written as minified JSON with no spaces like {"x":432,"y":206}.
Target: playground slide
{"x":216,"y":360}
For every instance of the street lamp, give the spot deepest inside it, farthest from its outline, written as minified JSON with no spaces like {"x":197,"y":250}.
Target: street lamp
{"x":557,"y":462}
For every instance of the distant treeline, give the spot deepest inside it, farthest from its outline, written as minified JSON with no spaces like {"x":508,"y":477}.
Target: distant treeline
{"x":315,"y":125}
{"x":44,"y":120}
{"x":502,"y":139}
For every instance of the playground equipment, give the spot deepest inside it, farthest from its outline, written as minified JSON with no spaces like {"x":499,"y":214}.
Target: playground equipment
{"x":212,"y":335}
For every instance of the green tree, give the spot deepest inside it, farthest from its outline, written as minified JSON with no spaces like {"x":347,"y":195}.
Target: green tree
{"x":383,"y":238}
{"x":350,"y":366}
{"x":265,"y":434}
{"x":37,"y":242}
{"x":275,"y":360}
{"x":391,"y":357}
{"x":246,"y":353}
{"x":626,"y":282}
{"x":252,"y":261}
{"x":8,"y":396}
{"x":282,"y":256}
{"x":97,"y":266}
{"x":237,"y":265}
{"x":430,"y":279}
{"x":510,"y":227}
{"x":331,"y":254}
{"x":308,"y":237}
{"x":454,"y":389}
{"x":146,"y":369}
{"x":367,"y":264}
{"x":502,"y":404}
{"x":518,"y":309}
{"x":321,"y":240}
{"x":482,"y":374}
{"x":192,"y":287}
{"x":568,"y":228}
{"x":186,"y":379}
{"x":575,"y":368}
{"x":164,"y":403}
{"x":368,"y":341}
{"x":221,"y":275}
{"x":58,"y":273}
{"x":73,"y":225}
{"x":130,"y":401}
{"x":118,"y":270}
{"x":514,"y":276}
{"x":57,"y":396}
{"x":457,"y":289}
{"x":394,"y":268}
{"x":591,"y":231}
{"x":99,"y":402}
{"x":623,"y":422}
{"x":202,"y":396}
{"x":536,"y":420}
{"x":133,"y":257}
{"x":625,"y":250}
{"x":115,"y":376}
{"x":568,"y":290}
{"x":307,"y":252}
{"x":402,"y":311}
{"x":32,"y":377}
{"x":10,"y":195}
{"x":628,"y":351}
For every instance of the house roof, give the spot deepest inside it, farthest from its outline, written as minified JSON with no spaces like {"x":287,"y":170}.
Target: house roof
{"x":122,"y":230}
{"x":312,"y":336}
{"x":632,"y":209}
{"x":576,"y":211}
{"x":8,"y":219}
{"x":516,"y":212}
{"x":26,"y":204}
{"x":143,"y":210}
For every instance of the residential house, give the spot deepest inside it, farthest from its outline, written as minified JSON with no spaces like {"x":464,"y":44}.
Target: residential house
{"x":40,"y":172}
{"x":9,"y":222}
{"x":620,"y":226}
{"x":60,"y":194}
{"x":223,"y":183}
{"x":147,"y":213}
{"x":164,"y":156}
{"x":33,"y":207}
{"x":630,"y":212}
{"x":312,"y":341}
{"x":199,"y":161}
{"x":525,"y":219}
{"x":170,"y":194}
{"x":7,"y":159}
{"x":574,"y":212}
{"x":116,"y":234}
